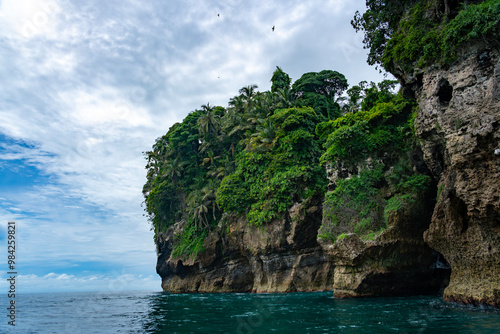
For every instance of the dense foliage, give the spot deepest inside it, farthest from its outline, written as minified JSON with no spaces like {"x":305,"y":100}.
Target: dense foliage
{"x":373,"y":146}
{"x":255,"y":158}
{"x":276,"y":170}
{"x":269,"y":150}
{"x":415,"y":33}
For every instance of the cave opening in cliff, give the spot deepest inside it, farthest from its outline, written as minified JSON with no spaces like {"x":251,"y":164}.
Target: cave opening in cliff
{"x":441,"y":272}
{"x":445,"y":92}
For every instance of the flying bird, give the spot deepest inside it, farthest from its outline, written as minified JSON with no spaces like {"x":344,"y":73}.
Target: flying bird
{"x":273,"y":28}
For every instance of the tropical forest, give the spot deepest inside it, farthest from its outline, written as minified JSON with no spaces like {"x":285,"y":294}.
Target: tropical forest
{"x":369,"y":188}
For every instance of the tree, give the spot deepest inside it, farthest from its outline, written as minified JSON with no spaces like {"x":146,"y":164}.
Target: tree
{"x":379,"y":23}
{"x":237,"y":104}
{"x":355,"y":93}
{"x":208,"y":123}
{"x":247,"y":94}
{"x":280,"y":167}
{"x":209,"y":126}
{"x":173,"y":169}
{"x":327,"y":83}
{"x":378,"y":93}
{"x":284,"y":98}
{"x":264,"y":137}
{"x":280,"y":80}
{"x":320,"y":91}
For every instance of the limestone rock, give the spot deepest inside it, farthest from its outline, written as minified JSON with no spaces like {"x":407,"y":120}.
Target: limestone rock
{"x":279,"y":257}
{"x":396,"y":263}
{"x":458,"y":127}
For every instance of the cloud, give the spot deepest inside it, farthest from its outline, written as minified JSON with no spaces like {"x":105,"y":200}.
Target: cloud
{"x":89,"y":86}
{"x":114,"y":281}
{"x":29,"y":18}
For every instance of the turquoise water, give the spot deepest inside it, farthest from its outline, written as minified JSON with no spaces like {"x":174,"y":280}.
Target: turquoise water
{"x":156,"y":312}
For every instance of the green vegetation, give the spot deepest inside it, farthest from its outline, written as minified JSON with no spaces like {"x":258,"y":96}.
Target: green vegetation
{"x":256,"y":158}
{"x":273,"y":174}
{"x":190,"y":241}
{"x":356,"y":135}
{"x":372,"y":235}
{"x":322,"y":91}
{"x":342,"y":236}
{"x":415,"y":33}
{"x":373,"y":146}
{"x":268,"y":150}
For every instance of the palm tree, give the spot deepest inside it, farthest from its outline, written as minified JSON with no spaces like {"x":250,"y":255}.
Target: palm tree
{"x":173,"y":168}
{"x":235,"y":125}
{"x":210,"y":195}
{"x":211,"y":157}
{"x":248,"y":93}
{"x":265,"y":135}
{"x":196,"y":208}
{"x":285,"y":98}
{"x":200,"y":215}
{"x":209,"y":126}
{"x":155,"y":158}
{"x":210,"y":160}
{"x":237,"y":104}
{"x":208,"y":123}
{"x":201,"y":201}
{"x":264,"y":103}
{"x":225,"y":168}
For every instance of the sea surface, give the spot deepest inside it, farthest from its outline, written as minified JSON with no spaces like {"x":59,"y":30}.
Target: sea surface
{"x":157,"y":312}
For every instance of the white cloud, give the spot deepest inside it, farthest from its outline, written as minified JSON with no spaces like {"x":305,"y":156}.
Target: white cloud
{"x":96,"y":83}
{"x":104,"y":105}
{"x":29,"y":18}
{"x":114,"y":281}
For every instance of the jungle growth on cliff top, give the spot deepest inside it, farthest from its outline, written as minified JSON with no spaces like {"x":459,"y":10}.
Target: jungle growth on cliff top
{"x":268,"y":150}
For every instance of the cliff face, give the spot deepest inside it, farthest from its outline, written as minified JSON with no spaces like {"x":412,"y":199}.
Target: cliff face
{"x":455,"y":223}
{"x":458,"y":127}
{"x":281,"y":257}
{"x":287,"y":256}
{"x":396,"y":263}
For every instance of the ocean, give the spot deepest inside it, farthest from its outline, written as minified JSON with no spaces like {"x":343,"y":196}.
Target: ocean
{"x":157,"y":312}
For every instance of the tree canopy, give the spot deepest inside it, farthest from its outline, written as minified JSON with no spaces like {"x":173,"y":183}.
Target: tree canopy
{"x":267,"y":150}
{"x":416,"y":33}
{"x":321,"y":91}
{"x":264,"y":152}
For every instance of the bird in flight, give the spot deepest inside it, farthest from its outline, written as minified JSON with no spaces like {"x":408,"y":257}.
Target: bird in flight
{"x":273,"y":28}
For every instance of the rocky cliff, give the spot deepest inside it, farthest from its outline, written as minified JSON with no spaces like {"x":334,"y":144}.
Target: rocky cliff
{"x":456,"y":223}
{"x":283,"y":256}
{"x":396,"y":263}
{"x":405,"y":205}
{"x":287,"y":256}
{"x":458,"y":128}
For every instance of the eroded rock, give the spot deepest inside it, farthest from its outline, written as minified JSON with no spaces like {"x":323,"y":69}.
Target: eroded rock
{"x":396,"y":263}
{"x":280,"y":257}
{"x":459,"y":138}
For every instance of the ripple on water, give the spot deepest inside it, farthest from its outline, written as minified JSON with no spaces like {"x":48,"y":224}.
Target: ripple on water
{"x":147,"y":312}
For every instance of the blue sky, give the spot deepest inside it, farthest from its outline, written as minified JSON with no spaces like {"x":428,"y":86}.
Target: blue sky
{"x":87,"y":86}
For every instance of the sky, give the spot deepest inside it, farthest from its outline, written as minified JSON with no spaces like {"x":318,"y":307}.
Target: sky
{"x":87,"y":87}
